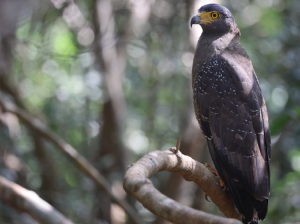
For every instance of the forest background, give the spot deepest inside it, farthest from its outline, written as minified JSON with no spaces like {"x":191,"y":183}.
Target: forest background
{"x":113,"y":79}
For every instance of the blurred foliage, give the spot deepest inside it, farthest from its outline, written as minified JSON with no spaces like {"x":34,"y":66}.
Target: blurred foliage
{"x":61,"y":80}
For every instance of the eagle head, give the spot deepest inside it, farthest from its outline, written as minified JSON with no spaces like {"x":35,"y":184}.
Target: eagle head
{"x":214,"y":19}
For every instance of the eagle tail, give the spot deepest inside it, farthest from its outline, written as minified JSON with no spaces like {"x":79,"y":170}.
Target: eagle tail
{"x":261,"y":208}
{"x":253,"y":222}
{"x":242,"y":199}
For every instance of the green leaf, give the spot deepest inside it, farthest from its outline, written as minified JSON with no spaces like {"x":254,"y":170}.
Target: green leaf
{"x":62,"y":44}
{"x":74,"y":137}
{"x":71,"y":179}
{"x":165,"y":96}
{"x":297,"y":110}
{"x":291,"y":178}
{"x":294,"y":152}
{"x":279,"y":123}
{"x":22,"y":32}
{"x":271,"y":22}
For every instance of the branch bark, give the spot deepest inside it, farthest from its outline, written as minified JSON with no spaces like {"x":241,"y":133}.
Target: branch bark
{"x":137,"y":184}
{"x":72,"y":153}
{"x":29,"y":202}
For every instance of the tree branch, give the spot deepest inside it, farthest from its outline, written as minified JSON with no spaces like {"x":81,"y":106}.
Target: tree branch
{"x":137,"y":184}
{"x":29,"y":202}
{"x":79,"y":160}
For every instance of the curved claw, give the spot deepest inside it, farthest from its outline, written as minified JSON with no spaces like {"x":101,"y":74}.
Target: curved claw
{"x":224,"y":188}
{"x":206,"y":198}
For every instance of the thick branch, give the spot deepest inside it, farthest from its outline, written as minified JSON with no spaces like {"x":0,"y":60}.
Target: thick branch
{"x":137,"y":184}
{"x":79,"y":160}
{"x":29,"y":202}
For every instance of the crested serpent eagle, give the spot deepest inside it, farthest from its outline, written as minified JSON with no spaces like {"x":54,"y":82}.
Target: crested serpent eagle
{"x":231,"y":111}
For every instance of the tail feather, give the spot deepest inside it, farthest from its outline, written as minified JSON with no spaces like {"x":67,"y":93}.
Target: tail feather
{"x":261,"y":208}
{"x":241,"y":198}
{"x":244,"y":202}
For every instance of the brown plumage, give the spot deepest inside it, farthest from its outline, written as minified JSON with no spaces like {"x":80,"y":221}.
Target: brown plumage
{"x":231,"y":111}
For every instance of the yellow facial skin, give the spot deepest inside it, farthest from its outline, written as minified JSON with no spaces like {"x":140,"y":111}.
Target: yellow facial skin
{"x":208,"y":17}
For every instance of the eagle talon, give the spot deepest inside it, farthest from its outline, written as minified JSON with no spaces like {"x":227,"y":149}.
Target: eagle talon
{"x":224,"y":188}
{"x":214,"y":171}
{"x":206,"y":198}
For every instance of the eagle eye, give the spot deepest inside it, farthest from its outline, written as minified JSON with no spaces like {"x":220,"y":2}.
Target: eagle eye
{"x":214,"y":15}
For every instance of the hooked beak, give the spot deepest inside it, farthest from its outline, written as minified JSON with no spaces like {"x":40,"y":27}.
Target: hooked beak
{"x":195,"y":20}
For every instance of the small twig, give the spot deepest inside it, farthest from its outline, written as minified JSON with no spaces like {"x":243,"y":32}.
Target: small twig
{"x":137,"y":184}
{"x":29,"y":202}
{"x":72,"y":153}
{"x":178,"y":144}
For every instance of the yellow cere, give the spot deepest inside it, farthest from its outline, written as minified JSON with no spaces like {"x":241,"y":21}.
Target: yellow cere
{"x":208,"y":17}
